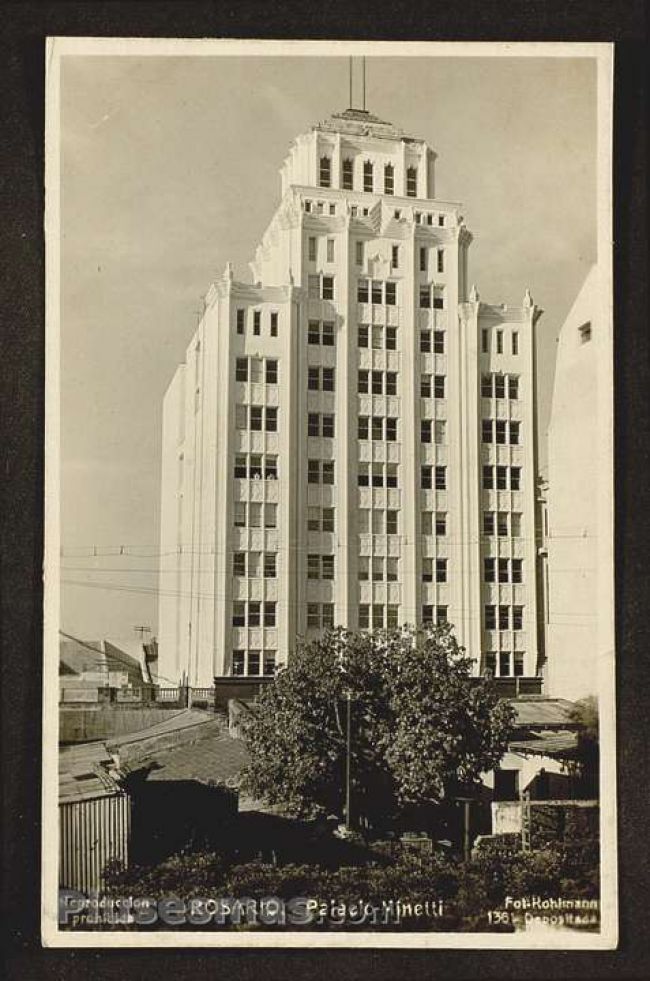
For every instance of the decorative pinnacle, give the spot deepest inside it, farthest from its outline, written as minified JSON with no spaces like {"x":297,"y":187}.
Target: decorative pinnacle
{"x":474,"y":294}
{"x":528,"y":300}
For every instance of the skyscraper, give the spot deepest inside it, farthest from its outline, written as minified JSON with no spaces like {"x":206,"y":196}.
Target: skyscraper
{"x":351,"y":438}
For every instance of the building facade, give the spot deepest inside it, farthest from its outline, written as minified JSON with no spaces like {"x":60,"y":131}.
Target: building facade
{"x":580,"y":494}
{"x":351,"y":439}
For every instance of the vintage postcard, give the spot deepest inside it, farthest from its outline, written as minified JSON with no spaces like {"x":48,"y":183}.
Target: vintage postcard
{"x":329,"y":617}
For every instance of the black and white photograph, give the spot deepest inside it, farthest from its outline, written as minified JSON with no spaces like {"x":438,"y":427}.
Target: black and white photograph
{"x":329,"y":633}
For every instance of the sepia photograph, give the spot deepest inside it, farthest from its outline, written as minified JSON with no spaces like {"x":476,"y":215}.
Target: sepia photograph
{"x":329,"y":579}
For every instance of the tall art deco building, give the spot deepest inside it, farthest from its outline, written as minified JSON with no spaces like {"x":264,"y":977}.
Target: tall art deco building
{"x":351,"y":440}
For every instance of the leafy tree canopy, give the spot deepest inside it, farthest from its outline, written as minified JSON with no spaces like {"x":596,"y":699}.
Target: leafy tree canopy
{"x":421,"y":725}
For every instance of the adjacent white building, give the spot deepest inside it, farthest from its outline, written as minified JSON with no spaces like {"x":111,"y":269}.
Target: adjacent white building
{"x":351,"y":440}
{"x":580,"y":544}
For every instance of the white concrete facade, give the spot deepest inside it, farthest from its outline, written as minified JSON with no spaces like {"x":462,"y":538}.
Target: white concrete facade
{"x":580,"y":607}
{"x":351,"y":440}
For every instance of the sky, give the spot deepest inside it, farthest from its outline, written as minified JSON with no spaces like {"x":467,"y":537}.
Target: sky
{"x":169,"y":169}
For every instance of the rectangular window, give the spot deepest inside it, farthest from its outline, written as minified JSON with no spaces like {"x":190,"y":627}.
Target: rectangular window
{"x":504,"y":617}
{"x":488,"y":478}
{"x":241,"y":320}
{"x":499,"y":386}
{"x":425,"y":297}
{"x":425,"y":341}
{"x":240,"y":514}
{"x":488,"y":570}
{"x":328,"y":287}
{"x":392,"y":616}
{"x":364,"y":616}
{"x":239,"y":614}
{"x":391,"y":338}
{"x":328,"y":379}
{"x":488,"y":523}
{"x":439,"y":386}
{"x":504,"y":665}
{"x":515,"y":478}
{"x":485,"y":347}
{"x":270,"y":515}
{"x":328,"y":615}
{"x":441,"y":616}
{"x":500,"y":431}
{"x":328,"y":519}
{"x":502,"y":478}
{"x":424,"y":264}
{"x":441,"y":260}
{"x":363,"y":431}
{"x":391,"y":294}
{"x":394,"y":257}
{"x":269,"y":614}
{"x":363,"y":291}
{"x":502,"y":524}
{"x":270,"y":565}
{"x":313,"y":519}
{"x":391,"y":522}
{"x":328,"y":471}
{"x":313,"y":287}
{"x":438,"y":298}
{"x":330,"y":250}
{"x":238,"y":663}
{"x":325,"y":172}
{"x":426,"y":478}
{"x":257,"y":322}
{"x":515,"y":524}
{"x":427,"y":522}
{"x":514,"y":433}
{"x":313,"y":424}
{"x":499,"y":342}
{"x":377,"y":568}
{"x":311,"y":248}
{"x":271,"y":467}
{"x":391,"y":383}
{"x":441,"y":478}
{"x":376,"y":291}
{"x":391,"y":429}
{"x":425,"y":386}
{"x":391,"y":569}
{"x":359,"y":253}
{"x":313,"y":379}
{"x":241,"y":370}
{"x":503,"y":570}
{"x":377,"y":338}
{"x":513,"y":387}
{"x":241,"y":417}
{"x":377,"y":616}
{"x":441,"y":523}
{"x":271,"y":419}
{"x":328,"y":426}
{"x":363,"y":478}
{"x":254,"y":515}
{"x":274,"y":324}
{"x":327,"y":564}
{"x":347,"y":174}
{"x":440,"y":432}
{"x":253,"y":662}
{"x":256,"y":418}
{"x":362,"y":335}
{"x":239,"y":564}
{"x":427,"y":570}
{"x":389,"y":179}
{"x":486,"y":430}
{"x":438,"y":342}
{"x":377,"y":474}
{"x":377,"y":428}
{"x":515,"y":342}
{"x":490,"y":617}
{"x":517,"y":617}
{"x":377,"y":522}
{"x":391,"y":475}
{"x":486,"y":386}
{"x":313,"y":332}
{"x":517,"y":570}
{"x":425,"y":430}
{"x":271,"y":371}
{"x":255,"y":467}
{"x":327,"y":334}
{"x":518,"y":663}
{"x":364,"y":568}
{"x":313,"y":616}
{"x":362,"y":382}
{"x":427,"y":614}
{"x":441,"y":570}
{"x":411,"y":182}
{"x":377,"y":383}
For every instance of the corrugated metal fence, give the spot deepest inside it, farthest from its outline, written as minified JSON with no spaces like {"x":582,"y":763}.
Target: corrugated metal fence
{"x":92,"y":832}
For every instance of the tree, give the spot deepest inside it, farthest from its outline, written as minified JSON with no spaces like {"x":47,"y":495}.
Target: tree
{"x":585,"y":714}
{"x":421,"y":724}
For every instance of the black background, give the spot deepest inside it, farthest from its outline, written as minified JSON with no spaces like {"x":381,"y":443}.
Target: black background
{"x":23,"y":30}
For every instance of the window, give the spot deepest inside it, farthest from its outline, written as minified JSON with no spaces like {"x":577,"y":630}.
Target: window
{"x":515,"y":342}
{"x":328,"y":519}
{"x":362,"y":335}
{"x":377,"y":379}
{"x":392,"y":616}
{"x":313,"y":287}
{"x":499,"y":386}
{"x":240,"y":514}
{"x":499,"y":342}
{"x":241,"y":417}
{"x":517,"y":617}
{"x":253,"y":662}
{"x":377,"y":474}
{"x":328,"y":471}
{"x":378,"y":522}
{"x":313,"y":332}
{"x":363,"y":431}
{"x":391,"y":475}
{"x":502,"y":478}
{"x":438,"y":297}
{"x":425,"y":386}
{"x":241,"y":370}
{"x":394,"y":257}
{"x":441,"y":523}
{"x":377,"y":616}
{"x":425,"y":297}
{"x":238,"y":660}
{"x":484,"y":342}
{"x":515,"y":524}
{"x":313,"y":616}
{"x":313,"y":519}
{"x":347,"y":173}
{"x":256,"y":370}
{"x":311,"y":248}
{"x":424,"y":259}
{"x":486,"y":386}
{"x":441,"y":260}
{"x":504,"y":617}
{"x":256,"y":418}
{"x":488,"y":523}
{"x":411,"y":182}
{"x":426,"y":478}
{"x":307,"y":206}
{"x":239,"y":614}
{"x":270,"y":565}
{"x":441,"y":616}
{"x":441,"y":221}
{"x":364,"y":616}
{"x":391,"y":522}
{"x":425,"y":430}
{"x":391,"y":294}
{"x":274,"y":324}
{"x":503,"y":570}
{"x":364,"y":568}
{"x":391,"y":338}
{"x":327,"y":334}
{"x":488,"y":478}
{"x":363,"y":295}
{"x":240,"y":465}
{"x":425,"y":341}
{"x":325,"y":172}
{"x":241,"y":320}
{"x":313,"y":424}
{"x":271,"y":371}
{"x":500,"y":431}
{"x":517,"y":570}
{"x":358,"y":252}
{"x":254,"y":515}
{"x":504,"y":672}
{"x":490,"y":617}
{"x":367,"y":176}
{"x":438,"y":342}
{"x":441,"y":570}
{"x":490,"y":662}
{"x":391,"y":429}
{"x":328,"y":379}
{"x":328,"y":615}
{"x":427,"y":522}
{"x":389,"y":179}
{"x":391,"y":383}
{"x":514,"y":433}
{"x":441,"y":478}
{"x":327,"y":566}
{"x":257,"y":322}
{"x":486,"y":430}
{"x":513,"y":387}
{"x":328,"y":287}
{"x":488,"y":570}
{"x":515,"y":478}
{"x":377,"y":428}
{"x":502,"y":524}
{"x":377,"y":337}
{"x":269,"y":614}
{"x":313,"y":379}
{"x":330,"y":250}
{"x":439,"y":386}
{"x":239,"y":564}
{"x":518,"y":663}
{"x":377,"y":568}
{"x":362,"y":382}
{"x":327,"y":424}
{"x":427,"y":570}
{"x":377,"y":291}
{"x":271,"y":467}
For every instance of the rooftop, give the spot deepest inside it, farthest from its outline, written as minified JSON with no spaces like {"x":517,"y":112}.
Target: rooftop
{"x":360,"y":122}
